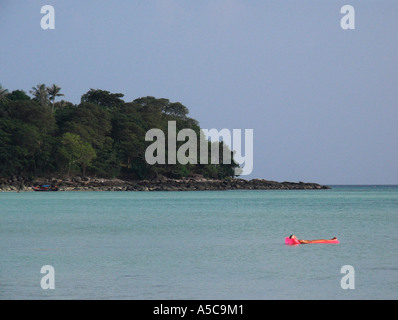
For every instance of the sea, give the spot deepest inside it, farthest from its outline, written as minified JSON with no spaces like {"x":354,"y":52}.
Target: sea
{"x":199,"y":245}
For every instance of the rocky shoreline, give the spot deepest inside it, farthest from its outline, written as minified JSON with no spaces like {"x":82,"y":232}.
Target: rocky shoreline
{"x":197,"y":183}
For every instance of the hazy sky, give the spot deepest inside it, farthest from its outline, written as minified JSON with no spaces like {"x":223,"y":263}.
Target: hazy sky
{"x":322,"y":101}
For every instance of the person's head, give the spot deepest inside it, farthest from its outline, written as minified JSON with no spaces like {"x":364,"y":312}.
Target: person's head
{"x":292,"y":236}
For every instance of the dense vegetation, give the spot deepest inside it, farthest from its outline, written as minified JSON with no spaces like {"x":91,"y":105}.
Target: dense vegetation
{"x":103,"y":136}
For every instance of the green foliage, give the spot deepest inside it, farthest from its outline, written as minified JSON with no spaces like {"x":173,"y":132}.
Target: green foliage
{"x":91,"y":122}
{"x":32,"y":113}
{"x":40,"y":94}
{"x":53,"y":92}
{"x":18,"y":95}
{"x":106,"y":164}
{"x":3,"y":92}
{"x":103,"y":98}
{"x":3,"y":96}
{"x":9,"y":165}
{"x":102,"y":136}
{"x":76,"y":151}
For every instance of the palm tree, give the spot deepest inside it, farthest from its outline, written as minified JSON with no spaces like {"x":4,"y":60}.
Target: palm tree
{"x":3,"y":92}
{"x":40,"y":94}
{"x":53,"y":91}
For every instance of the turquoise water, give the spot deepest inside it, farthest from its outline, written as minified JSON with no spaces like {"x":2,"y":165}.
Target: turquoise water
{"x":199,"y":245}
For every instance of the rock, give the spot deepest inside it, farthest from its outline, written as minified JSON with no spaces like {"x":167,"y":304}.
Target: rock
{"x":77,"y":179}
{"x":161,"y":183}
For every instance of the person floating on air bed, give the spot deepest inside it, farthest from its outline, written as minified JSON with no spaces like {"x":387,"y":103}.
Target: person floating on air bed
{"x":310,"y":241}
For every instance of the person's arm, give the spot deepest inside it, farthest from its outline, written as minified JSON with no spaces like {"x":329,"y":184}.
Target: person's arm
{"x":303,"y":241}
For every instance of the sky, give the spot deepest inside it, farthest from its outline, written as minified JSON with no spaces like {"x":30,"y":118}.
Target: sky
{"x":322,"y":101}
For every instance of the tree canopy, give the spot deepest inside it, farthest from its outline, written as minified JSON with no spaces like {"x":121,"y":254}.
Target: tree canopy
{"x":102,"y":136}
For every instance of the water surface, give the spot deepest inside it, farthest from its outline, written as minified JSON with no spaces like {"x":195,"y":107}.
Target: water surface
{"x":200,"y":244}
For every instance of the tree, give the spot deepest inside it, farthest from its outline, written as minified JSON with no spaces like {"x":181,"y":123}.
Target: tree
{"x":103,"y":98}
{"x":86,"y":154}
{"x":63,"y":104}
{"x":31,"y":128}
{"x":106,"y":164}
{"x":19,"y":146}
{"x":29,"y":142}
{"x":40,"y":94}
{"x":3,"y":95}
{"x":3,"y":92}
{"x":102,"y":135}
{"x":18,"y":95}
{"x":9,"y":162}
{"x":128,"y":132}
{"x":69,"y":148}
{"x":90,"y":121}
{"x":53,"y":92}
{"x":176,"y":109}
{"x":31,"y":112}
{"x":76,"y":151}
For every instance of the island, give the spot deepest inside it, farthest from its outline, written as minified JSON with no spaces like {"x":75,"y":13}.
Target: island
{"x":101,"y":144}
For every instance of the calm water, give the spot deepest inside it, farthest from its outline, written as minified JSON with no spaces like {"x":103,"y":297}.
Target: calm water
{"x":199,"y":245}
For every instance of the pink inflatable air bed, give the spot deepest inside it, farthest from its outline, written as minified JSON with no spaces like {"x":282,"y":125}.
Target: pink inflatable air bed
{"x":293,"y":242}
